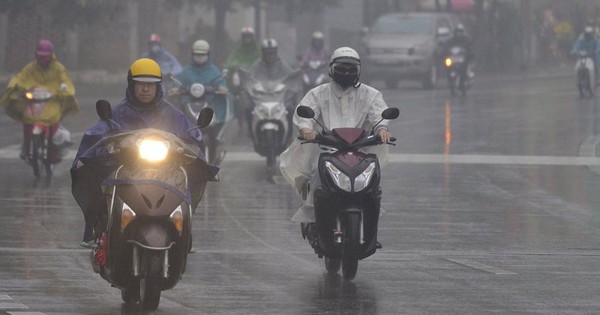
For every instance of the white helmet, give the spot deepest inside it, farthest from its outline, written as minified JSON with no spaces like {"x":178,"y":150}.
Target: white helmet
{"x":344,"y":55}
{"x":200,"y":47}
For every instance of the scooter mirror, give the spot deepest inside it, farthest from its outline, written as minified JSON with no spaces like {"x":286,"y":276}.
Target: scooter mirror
{"x":390,"y":113}
{"x":103,"y":110}
{"x":305,"y":112}
{"x":205,"y":117}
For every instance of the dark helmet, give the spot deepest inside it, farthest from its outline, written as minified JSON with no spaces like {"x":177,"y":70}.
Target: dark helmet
{"x":588,"y":32}
{"x":269,"y":48}
{"x":269,"y":44}
{"x":318,"y":40}
{"x":459,"y":30}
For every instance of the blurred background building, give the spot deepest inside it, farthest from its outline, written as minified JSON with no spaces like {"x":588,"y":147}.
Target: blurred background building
{"x":107,"y":35}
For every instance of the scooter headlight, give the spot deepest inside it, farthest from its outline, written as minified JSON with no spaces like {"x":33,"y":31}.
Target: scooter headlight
{"x":448,"y":62}
{"x":153,"y":150}
{"x":197,"y":90}
{"x":362,"y":181}
{"x":341,"y":180}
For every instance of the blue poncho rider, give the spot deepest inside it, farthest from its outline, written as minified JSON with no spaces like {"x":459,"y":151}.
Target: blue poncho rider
{"x":202,"y":70}
{"x":589,"y":43}
{"x":168,"y":63}
{"x":142,"y":107}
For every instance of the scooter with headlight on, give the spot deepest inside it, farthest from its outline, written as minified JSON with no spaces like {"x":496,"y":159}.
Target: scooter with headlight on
{"x":270,"y":120}
{"x":191,"y":101}
{"x":347,"y":204}
{"x":143,"y":249}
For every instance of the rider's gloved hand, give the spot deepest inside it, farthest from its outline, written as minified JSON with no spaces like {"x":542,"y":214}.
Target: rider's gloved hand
{"x":308,"y":134}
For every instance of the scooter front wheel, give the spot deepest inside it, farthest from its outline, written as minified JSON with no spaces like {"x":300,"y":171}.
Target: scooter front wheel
{"x":332,"y":264}
{"x":351,"y":246}
{"x":150,"y":282}
{"x":131,"y":294}
{"x":37,"y":155}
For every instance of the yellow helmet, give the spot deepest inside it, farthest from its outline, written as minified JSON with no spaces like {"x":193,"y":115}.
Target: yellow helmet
{"x":145,"y":70}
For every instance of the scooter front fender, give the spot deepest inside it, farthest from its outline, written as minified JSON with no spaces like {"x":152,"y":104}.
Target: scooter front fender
{"x":153,"y":236}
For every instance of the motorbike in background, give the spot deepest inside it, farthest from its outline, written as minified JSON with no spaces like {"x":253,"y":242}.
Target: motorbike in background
{"x":143,"y":249}
{"x":234,"y":84}
{"x":270,"y":120}
{"x":584,"y":68}
{"x":41,"y":147}
{"x":347,"y":204}
{"x":315,"y":74}
{"x":191,"y":101}
{"x":457,"y":71}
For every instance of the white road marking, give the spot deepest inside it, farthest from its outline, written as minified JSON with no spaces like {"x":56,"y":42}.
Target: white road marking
{"x":480,"y":266}
{"x":12,"y":306}
{"x":12,"y":152}
{"x":457,"y":159}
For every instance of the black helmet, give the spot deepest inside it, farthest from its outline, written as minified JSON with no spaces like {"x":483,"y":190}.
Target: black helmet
{"x":459,"y":30}
{"x":269,"y":48}
{"x":588,"y":32}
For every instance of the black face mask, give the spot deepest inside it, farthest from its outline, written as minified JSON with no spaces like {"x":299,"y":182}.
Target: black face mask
{"x":344,"y":80}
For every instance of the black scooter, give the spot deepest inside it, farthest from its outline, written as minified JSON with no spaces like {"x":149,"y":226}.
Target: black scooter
{"x":148,"y":230}
{"x":457,"y":71}
{"x":347,"y":204}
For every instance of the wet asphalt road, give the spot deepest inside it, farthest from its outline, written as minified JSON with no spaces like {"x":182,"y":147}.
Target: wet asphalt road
{"x":491,"y":208}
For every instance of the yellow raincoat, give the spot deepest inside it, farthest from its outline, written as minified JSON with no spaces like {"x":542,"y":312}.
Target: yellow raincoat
{"x":33,"y":75}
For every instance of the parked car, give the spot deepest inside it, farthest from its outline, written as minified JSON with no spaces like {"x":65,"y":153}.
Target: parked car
{"x":401,"y":46}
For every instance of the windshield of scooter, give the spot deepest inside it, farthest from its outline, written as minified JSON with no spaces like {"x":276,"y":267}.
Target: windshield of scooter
{"x":126,"y":149}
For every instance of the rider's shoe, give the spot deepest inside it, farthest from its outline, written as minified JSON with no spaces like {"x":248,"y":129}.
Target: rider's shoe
{"x":89,"y":244}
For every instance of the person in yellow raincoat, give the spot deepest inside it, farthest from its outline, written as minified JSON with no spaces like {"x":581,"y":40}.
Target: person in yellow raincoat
{"x":45,"y":72}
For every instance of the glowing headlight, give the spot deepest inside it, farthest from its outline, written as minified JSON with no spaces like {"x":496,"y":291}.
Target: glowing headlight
{"x":362,"y":181}
{"x":341,"y":180}
{"x":153,"y":150}
{"x":448,"y":62}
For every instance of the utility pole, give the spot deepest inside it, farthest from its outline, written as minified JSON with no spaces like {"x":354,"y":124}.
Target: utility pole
{"x":526,"y":47}
{"x":258,"y":19}
{"x":132,"y":12}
